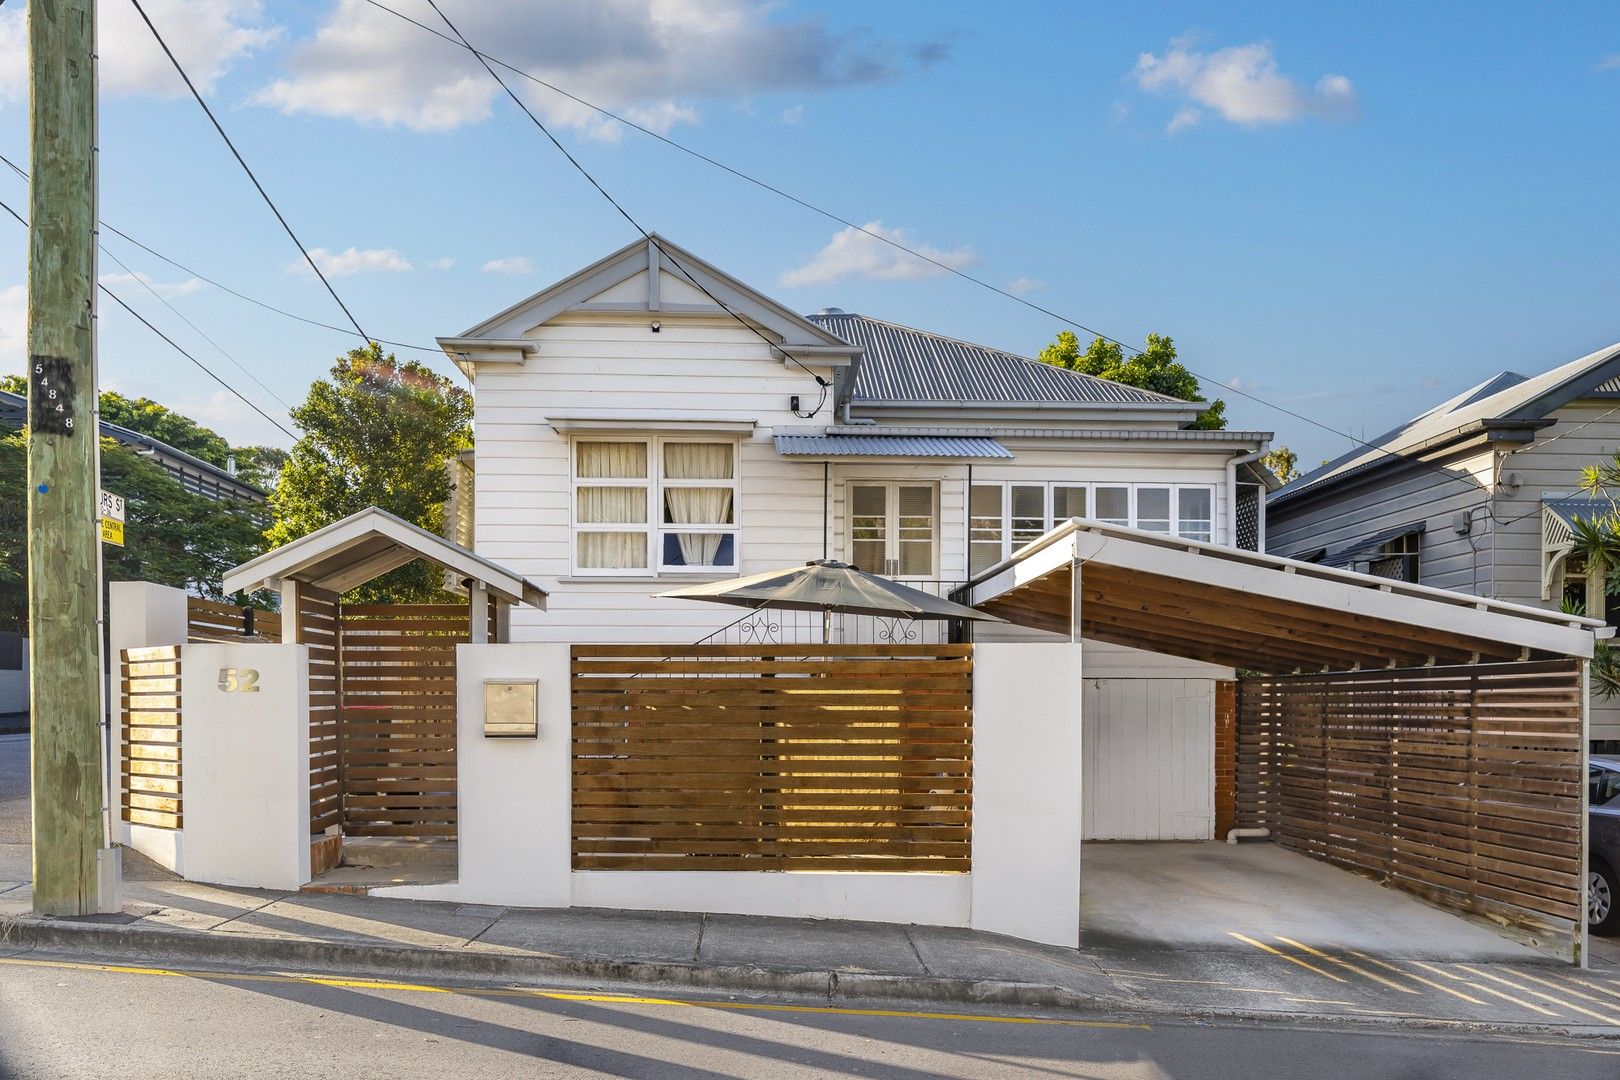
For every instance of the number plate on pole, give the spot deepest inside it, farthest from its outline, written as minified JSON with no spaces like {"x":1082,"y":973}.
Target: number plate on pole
{"x":50,"y":395}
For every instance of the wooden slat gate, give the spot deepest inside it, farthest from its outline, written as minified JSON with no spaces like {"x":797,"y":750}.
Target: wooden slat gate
{"x":1462,"y":784}
{"x":397,"y":718}
{"x":149,"y":737}
{"x":794,"y":757}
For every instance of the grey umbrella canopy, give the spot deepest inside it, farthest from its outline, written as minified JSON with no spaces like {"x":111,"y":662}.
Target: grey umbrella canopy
{"x":829,"y":586}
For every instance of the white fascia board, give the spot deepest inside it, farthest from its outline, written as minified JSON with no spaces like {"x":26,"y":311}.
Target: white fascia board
{"x":728,"y":423}
{"x":467,"y":353}
{"x":1025,"y":568}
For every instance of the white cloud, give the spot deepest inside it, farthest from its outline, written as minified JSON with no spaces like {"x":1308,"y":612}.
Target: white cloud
{"x":1023,"y":286}
{"x":649,"y":59}
{"x":1240,"y":84}
{"x":167,"y":290}
{"x":512,"y":264}
{"x":225,"y":413}
{"x":208,"y":36}
{"x":1609,"y":63}
{"x":14,"y":330}
{"x":851,"y":253}
{"x":351,"y":261}
{"x":1238,"y":382}
{"x":442,"y":264}
{"x":793,"y":114}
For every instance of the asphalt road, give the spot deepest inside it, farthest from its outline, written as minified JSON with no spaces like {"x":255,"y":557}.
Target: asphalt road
{"x":73,"y":1021}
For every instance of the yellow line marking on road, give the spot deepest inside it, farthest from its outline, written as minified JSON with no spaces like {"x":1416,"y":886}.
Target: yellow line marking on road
{"x":1291,"y":959}
{"x":1363,"y":972}
{"x":1564,"y":989}
{"x":566,"y":995}
{"x":1416,"y":978}
{"x":1537,"y":993}
{"x":1485,"y":989}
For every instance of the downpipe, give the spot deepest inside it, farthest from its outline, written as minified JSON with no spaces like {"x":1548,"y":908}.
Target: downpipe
{"x":1233,"y":835}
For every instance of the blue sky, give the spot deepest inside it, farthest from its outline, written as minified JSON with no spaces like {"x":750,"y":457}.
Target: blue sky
{"x":1351,"y":211}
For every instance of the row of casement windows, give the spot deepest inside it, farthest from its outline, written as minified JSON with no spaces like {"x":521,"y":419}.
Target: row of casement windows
{"x":1004,"y":517}
{"x":670,"y":505}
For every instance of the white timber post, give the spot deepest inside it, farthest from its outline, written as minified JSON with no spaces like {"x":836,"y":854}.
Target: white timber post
{"x":478,"y":613}
{"x":289,"y":611}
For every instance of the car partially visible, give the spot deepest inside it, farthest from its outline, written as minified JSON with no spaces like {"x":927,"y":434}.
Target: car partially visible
{"x":1603,"y":851}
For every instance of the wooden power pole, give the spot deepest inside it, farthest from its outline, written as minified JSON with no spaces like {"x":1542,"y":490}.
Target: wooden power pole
{"x":72,"y":869}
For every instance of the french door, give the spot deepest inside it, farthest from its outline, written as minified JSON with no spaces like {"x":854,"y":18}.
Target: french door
{"x":894,"y":528}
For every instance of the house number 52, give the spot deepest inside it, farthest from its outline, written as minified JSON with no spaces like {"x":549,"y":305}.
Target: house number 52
{"x":238,"y":680}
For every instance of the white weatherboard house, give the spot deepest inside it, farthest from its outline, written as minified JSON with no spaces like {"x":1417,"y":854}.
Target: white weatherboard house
{"x":650,"y":422}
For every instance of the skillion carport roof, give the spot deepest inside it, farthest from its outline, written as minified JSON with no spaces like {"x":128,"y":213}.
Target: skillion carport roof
{"x":1258,"y":612}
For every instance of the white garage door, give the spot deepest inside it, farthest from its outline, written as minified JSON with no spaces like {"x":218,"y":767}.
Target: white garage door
{"x":1148,"y":751}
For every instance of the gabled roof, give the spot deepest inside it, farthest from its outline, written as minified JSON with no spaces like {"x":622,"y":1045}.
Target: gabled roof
{"x":502,"y":337}
{"x":366,"y":545}
{"x":1506,"y":404}
{"x":903,"y":364}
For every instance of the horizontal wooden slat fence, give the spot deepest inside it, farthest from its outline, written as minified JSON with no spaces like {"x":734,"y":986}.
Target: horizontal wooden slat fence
{"x":1462,"y":784}
{"x":149,"y":738}
{"x":790,"y":757}
{"x":398,"y":731}
{"x":214,"y":620}
{"x":317,"y":625}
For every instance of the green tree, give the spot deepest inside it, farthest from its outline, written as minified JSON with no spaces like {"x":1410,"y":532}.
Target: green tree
{"x":377,"y":432}
{"x":172,"y":536}
{"x":1154,"y":368}
{"x":1283,"y":463}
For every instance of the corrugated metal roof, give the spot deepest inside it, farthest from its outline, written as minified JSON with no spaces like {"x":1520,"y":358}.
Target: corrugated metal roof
{"x":903,"y":364}
{"x":1347,"y":554}
{"x":889,"y":446}
{"x":1506,"y":394}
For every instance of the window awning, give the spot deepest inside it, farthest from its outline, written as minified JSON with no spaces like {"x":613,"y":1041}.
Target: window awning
{"x":1243,"y":609}
{"x":1368,"y":546}
{"x":1558,"y":518}
{"x":940,"y":447}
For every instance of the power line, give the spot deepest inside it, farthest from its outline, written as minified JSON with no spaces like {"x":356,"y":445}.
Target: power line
{"x":649,"y":237}
{"x":14,"y":167}
{"x":172,"y":343}
{"x":486,"y":61}
{"x":243,"y":162}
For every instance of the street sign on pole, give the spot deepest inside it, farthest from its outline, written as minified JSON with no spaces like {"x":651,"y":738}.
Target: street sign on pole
{"x":110,"y":508}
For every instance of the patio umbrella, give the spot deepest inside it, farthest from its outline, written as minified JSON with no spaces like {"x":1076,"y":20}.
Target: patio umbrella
{"x":828,"y":586}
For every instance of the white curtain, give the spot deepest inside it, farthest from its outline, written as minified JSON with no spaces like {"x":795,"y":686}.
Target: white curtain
{"x":625,"y":505}
{"x":698,"y":505}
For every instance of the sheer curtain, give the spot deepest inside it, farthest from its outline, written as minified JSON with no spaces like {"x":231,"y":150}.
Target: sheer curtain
{"x":698,"y":505}
{"x":617,"y":505}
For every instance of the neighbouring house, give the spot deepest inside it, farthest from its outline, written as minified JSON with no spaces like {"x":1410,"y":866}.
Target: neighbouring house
{"x":197,"y":475}
{"x":1475,"y":495}
{"x":651,"y":421}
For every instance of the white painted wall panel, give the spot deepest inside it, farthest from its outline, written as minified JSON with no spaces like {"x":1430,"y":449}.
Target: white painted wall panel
{"x":1148,"y":748}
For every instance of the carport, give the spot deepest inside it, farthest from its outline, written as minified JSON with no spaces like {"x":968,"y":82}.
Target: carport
{"x":1433,"y":741}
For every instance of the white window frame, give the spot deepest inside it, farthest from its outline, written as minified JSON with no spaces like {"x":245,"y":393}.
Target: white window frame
{"x":654,"y":527}
{"x":1131,"y":487}
{"x":892,"y":523}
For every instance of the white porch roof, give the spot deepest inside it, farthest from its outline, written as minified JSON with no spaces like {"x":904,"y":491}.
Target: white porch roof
{"x":1259,"y":612}
{"x":365,"y":545}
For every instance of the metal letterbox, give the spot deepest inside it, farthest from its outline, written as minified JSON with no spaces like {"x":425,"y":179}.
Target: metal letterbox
{"x":511,"y":708}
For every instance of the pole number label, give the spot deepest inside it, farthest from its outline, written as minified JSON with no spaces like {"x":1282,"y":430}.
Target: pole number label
{"x":50,"y":397}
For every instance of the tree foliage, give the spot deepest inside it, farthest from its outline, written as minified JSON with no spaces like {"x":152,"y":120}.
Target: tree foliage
{"x":1154,"y":368}
{"x":377,"y":432}
{"x":1283,"y":463}
{"x":172,"y":536}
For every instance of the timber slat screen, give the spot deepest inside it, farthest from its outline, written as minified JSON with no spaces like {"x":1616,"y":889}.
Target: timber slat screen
{"x":149,"y":737}
{"x":788,"y":757}
{"x":1462,"y":784}
{"x":213,"y":620}
{"x":318,"y":628}
{"x":398,"y":664}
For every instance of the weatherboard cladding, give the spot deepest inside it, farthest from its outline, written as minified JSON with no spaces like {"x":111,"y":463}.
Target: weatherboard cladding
{"x":902,"y":364}
{"x":889,"y":446}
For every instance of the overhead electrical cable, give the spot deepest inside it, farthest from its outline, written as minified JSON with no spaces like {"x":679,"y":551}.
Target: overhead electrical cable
{"x":240,"y":160}
{"x":172,"y":343}
{"x":14,"y":167}
{"x":486,"y":61}
{"x":821,"y":380}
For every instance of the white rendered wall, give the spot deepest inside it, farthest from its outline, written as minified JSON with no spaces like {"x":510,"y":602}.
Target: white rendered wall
{"x":513,"y":796}
{"x":1149,"y":758}
{"x":245,"y":766}
{"x":14,"y":686}
{"x":1026,"y":791}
